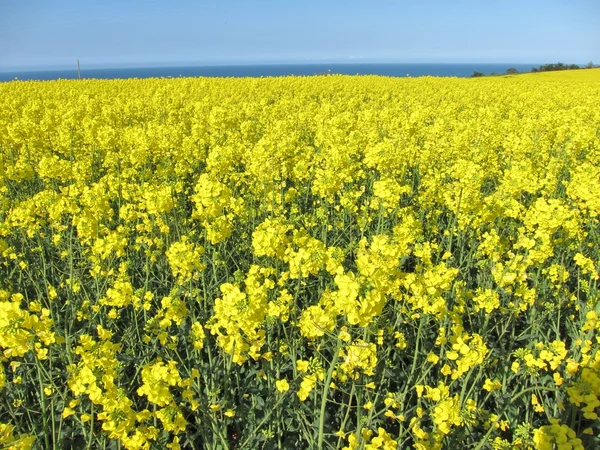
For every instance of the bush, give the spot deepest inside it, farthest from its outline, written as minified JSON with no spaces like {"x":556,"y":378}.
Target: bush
{"x":554,"y":67}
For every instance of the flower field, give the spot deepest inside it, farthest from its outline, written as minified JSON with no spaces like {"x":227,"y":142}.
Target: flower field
{"x":302,"y":262}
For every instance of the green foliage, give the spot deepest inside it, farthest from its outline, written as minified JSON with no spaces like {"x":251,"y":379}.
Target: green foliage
{"x":554,"y":67}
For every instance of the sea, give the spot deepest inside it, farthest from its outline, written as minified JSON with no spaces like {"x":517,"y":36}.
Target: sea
{"x":272,"y":70}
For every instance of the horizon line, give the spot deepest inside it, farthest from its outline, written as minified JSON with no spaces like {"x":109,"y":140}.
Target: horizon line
{"x":357,"y":61}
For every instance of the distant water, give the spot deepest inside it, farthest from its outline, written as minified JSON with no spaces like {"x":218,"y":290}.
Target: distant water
{"x":392,"y":70}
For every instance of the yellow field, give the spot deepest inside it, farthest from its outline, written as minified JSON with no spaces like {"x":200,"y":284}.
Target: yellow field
{"x":301,"y":262}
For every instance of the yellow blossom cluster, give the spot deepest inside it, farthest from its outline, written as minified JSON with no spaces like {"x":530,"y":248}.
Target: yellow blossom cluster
{"x":558,"y":436}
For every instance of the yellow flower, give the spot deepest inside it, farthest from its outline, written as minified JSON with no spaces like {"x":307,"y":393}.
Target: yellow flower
{"x":345,"y":335}
{"x":282,"y":385}
{"x":558,"y":379}
{"x":67,"y":412}
{"x":433,"y":358}
{"x":560,"y":434}
{"x":400,"y":340}
{"x":359,"y":356}
{"x":197,"y":335}
{"x":157,"y":378}
{"x":174,"y":445}
{"x":419,"y":388}
{"x":491,"y":386}
{"x":537,"y":406}
{"x":185,"y":259}
{"x":302,"y":365}
{"x":306,"y":386}
{"x":446,"y":370}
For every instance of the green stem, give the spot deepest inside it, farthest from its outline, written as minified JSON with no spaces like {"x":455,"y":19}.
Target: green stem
{"x":325,"y":393}
{"x":349,"y":407}
{"x":43,"y":405}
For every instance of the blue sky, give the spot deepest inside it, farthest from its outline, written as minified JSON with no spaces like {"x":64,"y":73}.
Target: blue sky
{"x":120,"y":33}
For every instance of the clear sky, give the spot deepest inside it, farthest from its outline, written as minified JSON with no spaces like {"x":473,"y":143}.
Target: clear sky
{"x":117,"y":33}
